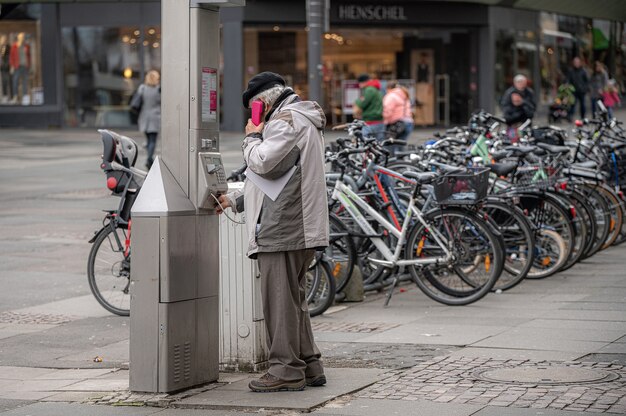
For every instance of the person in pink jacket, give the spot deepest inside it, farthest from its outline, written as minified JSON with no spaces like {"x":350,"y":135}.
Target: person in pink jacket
{"x":610,"y":96}
{"x":397,"y":113}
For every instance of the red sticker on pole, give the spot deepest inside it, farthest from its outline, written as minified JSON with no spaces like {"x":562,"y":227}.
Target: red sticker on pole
{"x":209,"y":95}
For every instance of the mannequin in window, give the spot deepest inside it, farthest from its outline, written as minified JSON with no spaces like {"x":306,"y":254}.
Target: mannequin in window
{"x":423,"y":69}
{"x":20,"y":66}
{"x":5,"y":68}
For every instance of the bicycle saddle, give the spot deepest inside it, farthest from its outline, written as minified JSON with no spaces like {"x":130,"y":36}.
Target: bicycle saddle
{"x":523,"y":150}
{"x":500,"y":154}
{"x":503,"y":169}
{"x":588,"y":164}
{"x":553,"y":149}
{"x":421,"y":177}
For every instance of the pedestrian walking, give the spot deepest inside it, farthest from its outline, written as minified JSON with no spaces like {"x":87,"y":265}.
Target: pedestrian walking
{"x":397,"y":113}
{"x":518,"y":105}
{"x":610,"y":96}
{"x":284,"y":233}
{"x":369,"y":107}
{"x":578,"y":78}
{"x":598,"y":84}
{"x":150,"y":111}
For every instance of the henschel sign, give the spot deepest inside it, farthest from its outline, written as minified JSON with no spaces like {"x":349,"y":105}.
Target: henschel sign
{"x":371,"y":12}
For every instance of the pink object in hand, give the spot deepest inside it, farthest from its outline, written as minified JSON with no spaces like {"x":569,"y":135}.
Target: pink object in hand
{"x":257,"y":112}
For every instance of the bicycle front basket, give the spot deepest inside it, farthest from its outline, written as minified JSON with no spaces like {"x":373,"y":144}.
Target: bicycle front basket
{"x":466,"y":188}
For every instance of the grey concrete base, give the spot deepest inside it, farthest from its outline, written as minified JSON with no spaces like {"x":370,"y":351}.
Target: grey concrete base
{"x":238,"y":396}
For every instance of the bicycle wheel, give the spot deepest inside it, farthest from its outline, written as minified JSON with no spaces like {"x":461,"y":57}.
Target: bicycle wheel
{"x":572,"y":208}
{"x":519,"y":242}
{"x":477,"y":264}
{"x":601,"y":213}
{"x":340,"y":252}
{"x":615,"y":211}
{"x":550,"y":254}
{"x":108,"y":271}
{"x":584,"y":211}
{"x":320,"y":287}
{"x":548,"y":214}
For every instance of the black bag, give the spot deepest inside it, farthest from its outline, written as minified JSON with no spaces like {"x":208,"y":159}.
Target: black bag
{"x":396,"y":129}
{"x":136,"y":102}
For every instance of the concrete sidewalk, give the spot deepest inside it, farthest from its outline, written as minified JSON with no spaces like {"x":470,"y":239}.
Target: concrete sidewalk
{"x":562,"y":339}
{"x":552,"y":347}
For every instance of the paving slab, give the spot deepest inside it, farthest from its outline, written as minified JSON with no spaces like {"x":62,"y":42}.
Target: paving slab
{"x":22,"y":373}
{"x":115,"y":352}
{"x":202,"y":412}
{"x":8,"y":404}
{"x":516,"y":411}
{"x":75,"y":374}
{"x":238,"y":396}
{"x":534,"y":342}
{"x":75,"y":409}
{"x":515,"y":354}
{"x":97,"y":385}
{"x":614,"y":348}
{"x":74,"y":396}
{"x":425,"y":333}
{"x":377,"y":407}
{"x":575,"y":324}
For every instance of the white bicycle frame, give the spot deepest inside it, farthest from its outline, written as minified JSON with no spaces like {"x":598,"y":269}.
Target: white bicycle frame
{"x":346,"y":196}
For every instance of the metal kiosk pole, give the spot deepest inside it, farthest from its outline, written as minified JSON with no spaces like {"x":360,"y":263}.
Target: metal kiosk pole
{"x":174,"y":335}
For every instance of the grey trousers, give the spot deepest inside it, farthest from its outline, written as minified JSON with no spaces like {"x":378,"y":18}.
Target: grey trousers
{"x":292,"y":350}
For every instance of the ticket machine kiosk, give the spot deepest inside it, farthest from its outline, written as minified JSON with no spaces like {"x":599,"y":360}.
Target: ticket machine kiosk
{"x":174,"y":316}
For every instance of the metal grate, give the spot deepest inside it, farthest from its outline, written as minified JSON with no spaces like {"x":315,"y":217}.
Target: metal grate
{"x":357,"y":327}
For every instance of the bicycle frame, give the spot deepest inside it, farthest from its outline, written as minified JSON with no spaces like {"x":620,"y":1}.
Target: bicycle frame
{"x":348,"y":198}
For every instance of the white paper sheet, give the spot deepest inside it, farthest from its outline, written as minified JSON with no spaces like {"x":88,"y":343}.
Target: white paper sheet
{"x":270,"y":187}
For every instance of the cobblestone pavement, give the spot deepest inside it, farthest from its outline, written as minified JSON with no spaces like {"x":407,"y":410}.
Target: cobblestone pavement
{"x":456,"y":380}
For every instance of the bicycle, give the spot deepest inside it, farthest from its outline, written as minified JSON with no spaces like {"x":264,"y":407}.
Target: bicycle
{"x":444,"y":248}
{"x":108,"y":264}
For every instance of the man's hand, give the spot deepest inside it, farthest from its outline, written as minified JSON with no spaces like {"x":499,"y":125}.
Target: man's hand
{"x":251,"y":128}
{"x":516,"y":99}
{"x":225,"y":203}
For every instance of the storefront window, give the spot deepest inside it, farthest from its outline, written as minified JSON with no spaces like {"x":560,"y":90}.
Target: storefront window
{"x":20,"y":57}
{"x":416,"y":58}
{"x":103,"y":66}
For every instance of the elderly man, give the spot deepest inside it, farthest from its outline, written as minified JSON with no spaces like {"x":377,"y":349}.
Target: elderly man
{"x":284,"y":233}
{"x":518,"y":104}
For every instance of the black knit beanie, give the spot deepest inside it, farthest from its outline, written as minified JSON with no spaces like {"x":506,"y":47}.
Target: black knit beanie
{"x":259,"y":83}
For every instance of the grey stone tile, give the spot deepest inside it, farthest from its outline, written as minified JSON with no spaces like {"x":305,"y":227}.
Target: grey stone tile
{"x":576,"y":324}
{"x":377,"y":407}
{"x":341,"y":381}
{"x":588,"y":315}
{"x":74,"y":409}
{"x":540,"y":343}
{"x":515,"y":411}
{"x":614,"y":348}
{"x":8,"y":404}
{"x":22,"y":373}
{"x":515,"y":354}
{"x":425,"y":333}
{"x":73,"y":396}
{"x":97,"y":385}
{"x":202,"y":412}
{"x":598,"y":306}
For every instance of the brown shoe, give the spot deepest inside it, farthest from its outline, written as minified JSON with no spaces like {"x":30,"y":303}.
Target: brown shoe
{"x":316,"y":381}
{"x":269,"y":383}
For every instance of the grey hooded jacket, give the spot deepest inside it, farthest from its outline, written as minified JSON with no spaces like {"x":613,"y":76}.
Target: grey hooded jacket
{"x":298,"y":219}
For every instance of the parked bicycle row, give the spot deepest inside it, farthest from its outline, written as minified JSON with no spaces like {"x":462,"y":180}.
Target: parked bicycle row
{"x":465,"y":214}
{"x":470,"y":212}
